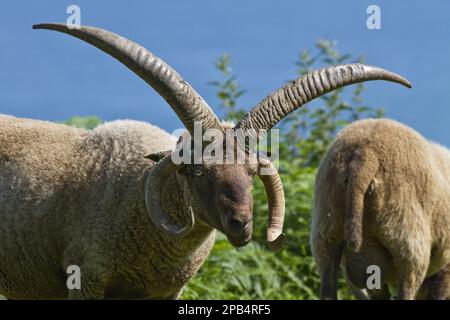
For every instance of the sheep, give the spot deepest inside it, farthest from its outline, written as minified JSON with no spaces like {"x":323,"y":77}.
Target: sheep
{"x":115,"y":203}
{"x":381,"y":198}
{"x":70,"y":186}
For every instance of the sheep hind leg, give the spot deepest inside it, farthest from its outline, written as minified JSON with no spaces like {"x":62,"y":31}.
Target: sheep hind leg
{"x":328,"y":266}
{"x":411,"y":275}
{"x":411,"y":262}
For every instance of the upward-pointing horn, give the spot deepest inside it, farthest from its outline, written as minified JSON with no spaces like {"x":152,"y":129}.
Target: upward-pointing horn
{"x":292,"y":96}
{"x":184,"y":100}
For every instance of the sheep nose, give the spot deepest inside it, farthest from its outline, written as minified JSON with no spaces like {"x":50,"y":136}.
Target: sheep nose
{"x":239,"y":227}
{"x":234,"y":226}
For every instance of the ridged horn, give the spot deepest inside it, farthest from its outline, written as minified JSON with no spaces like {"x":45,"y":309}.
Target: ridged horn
{"x":292,"y":96}
{"x":153,"y":188}
{"x":184,"y":100}
{"x":268,"y":174}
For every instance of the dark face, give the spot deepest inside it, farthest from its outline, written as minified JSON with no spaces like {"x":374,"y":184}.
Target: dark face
{"x":223,"y":198}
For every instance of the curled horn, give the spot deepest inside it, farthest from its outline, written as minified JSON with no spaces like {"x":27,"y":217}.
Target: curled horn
{"x":306,"y":88}
{"x":153,"y":188}
{"x":184,"y":100}
{"x":269,"y":176}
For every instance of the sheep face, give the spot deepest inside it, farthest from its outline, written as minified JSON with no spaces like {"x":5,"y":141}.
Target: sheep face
{"x":222,"y":198}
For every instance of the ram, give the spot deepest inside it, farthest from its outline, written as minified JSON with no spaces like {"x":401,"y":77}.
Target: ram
{"x":382,"y":198}
{"x":113,"y":201}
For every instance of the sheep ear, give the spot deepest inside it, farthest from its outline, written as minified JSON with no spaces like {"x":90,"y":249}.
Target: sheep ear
{"x":158,"y":155}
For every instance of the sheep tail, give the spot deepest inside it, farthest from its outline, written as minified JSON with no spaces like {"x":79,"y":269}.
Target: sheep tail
{"x":362,"y":170}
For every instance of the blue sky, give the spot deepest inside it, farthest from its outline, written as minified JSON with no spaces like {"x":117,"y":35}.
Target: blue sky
{"x":51,"y":76}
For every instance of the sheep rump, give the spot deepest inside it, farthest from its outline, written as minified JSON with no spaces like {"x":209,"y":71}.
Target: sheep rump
{"x":382,"y":198}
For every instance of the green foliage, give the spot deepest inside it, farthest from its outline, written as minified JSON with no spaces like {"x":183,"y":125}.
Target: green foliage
{"x":88,"y":122}
{"x":228,"y":90}
{"x":254,"y":272}
{"x":311,"y":129}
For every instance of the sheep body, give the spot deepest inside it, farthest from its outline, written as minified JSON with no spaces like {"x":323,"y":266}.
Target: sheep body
{"x":382,"y":198}
{"x":75,"y":197}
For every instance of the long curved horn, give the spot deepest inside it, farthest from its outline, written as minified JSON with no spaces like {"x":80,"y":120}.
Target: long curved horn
{"x":153,"y":187}
{"x":292,"y":96}
{"x":184,"y":100}
{"x":275,"y":195}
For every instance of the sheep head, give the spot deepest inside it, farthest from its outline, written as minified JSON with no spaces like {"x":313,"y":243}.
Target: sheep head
{"x":222,"y":191}
{"x":221,"y":194}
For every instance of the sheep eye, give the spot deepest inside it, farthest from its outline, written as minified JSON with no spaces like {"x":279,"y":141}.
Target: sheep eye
{"x":198,"y":172}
